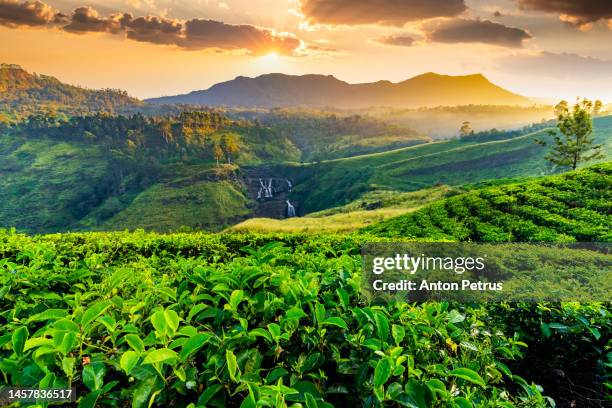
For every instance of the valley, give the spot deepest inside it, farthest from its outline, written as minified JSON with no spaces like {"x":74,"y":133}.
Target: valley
{"x":206,"y":249}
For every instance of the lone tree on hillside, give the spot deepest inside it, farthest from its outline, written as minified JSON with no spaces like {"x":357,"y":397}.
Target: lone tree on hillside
{"x":466,"y":130}
{"x":229,"y":144}
{"x":218,"y":153}
{"x":575,"y":143}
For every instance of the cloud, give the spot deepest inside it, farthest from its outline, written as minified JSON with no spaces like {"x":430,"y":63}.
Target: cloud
{"x":201,"y":33}
{"x":576,"y":12}
{"x":194,"y":34}
{"x":28,"y":13}
{"x":87,"y":20}
{"x":382,"y":12}
{"x":476,"y":31}
{"x":156,"y":30}
{"x":398,"y":40}
{"x":557,"y":66}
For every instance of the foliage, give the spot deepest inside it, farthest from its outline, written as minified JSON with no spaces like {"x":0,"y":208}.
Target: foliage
{"x":576,"y":142}
{"x":193,"y":320}
{"x":324,"y":135}
{"x":372,"y":207}
{"x":23,"y":94}
{"x":570,"y":207}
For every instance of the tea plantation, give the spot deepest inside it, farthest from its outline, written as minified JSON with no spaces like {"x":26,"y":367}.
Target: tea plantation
{"x":246,"y":320}
{"x":576,"y":206}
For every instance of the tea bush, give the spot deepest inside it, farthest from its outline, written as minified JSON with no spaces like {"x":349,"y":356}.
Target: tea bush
{"x":575,"y":206}
{"x":238,"y":320}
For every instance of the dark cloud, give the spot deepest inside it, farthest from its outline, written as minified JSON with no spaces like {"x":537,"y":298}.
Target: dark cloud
{"x":557,"y":66}
{"x":476,"y":31}
{"x":399,"y":40}
{"x":156,"y":30}
{"x":28,"y":13}
{"x":576,"y":12}
{"x":87,"y":20}
{"x":195,"y":34}
{"x":215,"y":34}
{"x":383,"y":12}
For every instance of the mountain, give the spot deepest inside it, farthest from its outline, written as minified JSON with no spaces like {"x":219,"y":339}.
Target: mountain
{"x":274,"y":90}
{"x":23,"y":93}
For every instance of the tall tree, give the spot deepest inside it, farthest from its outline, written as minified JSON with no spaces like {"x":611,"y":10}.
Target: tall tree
{"x":466,"y":129}
{"x":218,"y":153}
{"x":574,"y":144}
{"x":229,"y":145}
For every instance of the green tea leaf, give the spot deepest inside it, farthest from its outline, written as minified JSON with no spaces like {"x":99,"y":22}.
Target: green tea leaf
{"x":128,"y":361}
{"x":19,"y":339}
{"x":232,"y":365}
{"x":192,"y":345}
{"x":382,"y":372}
{"x":135,"y":342}
{"x":49,"y":314}
{"x":163,"y":355}
{"x":382,"y":325}
{"x":335,"y":321}
{"x":468,"y":375}
{"x":93,"y":375}
{"x":93,"y":312}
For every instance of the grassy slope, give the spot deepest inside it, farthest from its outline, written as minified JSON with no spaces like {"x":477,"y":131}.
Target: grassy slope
{"x":47,"y":186}
{"x":574,"y":206}
{"x":337,"y":182}
{"x":373,"y":207}
{"x":50,"y":186}
{"x":163,"y":207}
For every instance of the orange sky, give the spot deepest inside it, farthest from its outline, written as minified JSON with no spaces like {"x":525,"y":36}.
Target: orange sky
{"x":518,"y":44}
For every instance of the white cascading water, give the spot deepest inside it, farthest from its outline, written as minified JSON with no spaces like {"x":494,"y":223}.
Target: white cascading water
{"x":290,"y":209}
{"x":265,"y":189}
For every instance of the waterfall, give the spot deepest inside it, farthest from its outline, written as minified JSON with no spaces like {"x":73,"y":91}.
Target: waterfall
{"x":290,"y":210}
{"x":265,"y":189}
{"x":289,"y":185}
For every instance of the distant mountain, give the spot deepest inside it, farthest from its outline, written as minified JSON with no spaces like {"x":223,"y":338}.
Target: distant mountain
{"x":23,"y":93}
{"x":276,"y":90}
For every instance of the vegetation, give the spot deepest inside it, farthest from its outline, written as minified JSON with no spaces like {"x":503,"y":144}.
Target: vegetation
{"x":564,"y":208}
{"x":23,"y":94}
{"x":187,"y":319}
{"x":338,"y":182}
{"x":372,"y":207}
{"x":322,"y":135}
{"x":442,"y":122}
{"x":576,"y":126}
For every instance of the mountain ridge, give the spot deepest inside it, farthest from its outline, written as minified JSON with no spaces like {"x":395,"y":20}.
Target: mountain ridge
{"x":318,"y":90}
{"x":23,"y":93}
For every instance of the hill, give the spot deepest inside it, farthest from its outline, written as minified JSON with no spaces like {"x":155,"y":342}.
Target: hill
{"x":456,"y":162}
{"x":272,"y":90}
{"x":574,"y":206}
{"x":373,"y":207}
{"x":23,"y":93}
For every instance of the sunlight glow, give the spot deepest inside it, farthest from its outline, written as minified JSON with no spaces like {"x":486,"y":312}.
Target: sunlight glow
{"x":270,"y":58}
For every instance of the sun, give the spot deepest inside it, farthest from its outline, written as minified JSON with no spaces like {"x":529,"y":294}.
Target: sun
{"x":271,"y":57}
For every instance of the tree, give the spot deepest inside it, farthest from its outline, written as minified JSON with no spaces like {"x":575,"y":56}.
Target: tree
{"x":575,"y":144}
{"x":229,"y":146}
{"x":466,"y":129}
{"x":218,"y":153}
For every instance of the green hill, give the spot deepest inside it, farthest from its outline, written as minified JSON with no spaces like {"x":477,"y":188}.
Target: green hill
{"x":338,"y":182}
{"x":106,"y":172}
{"x":23,"y":94}
{"x":575,"y":206}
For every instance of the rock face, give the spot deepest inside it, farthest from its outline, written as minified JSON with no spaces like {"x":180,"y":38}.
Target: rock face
{"x":270,"y":192}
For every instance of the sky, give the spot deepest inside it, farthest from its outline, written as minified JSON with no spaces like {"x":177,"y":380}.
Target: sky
{"x":537,"y":48}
